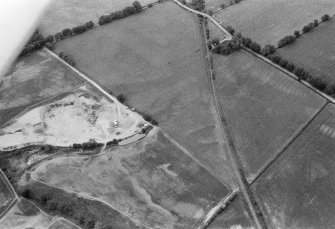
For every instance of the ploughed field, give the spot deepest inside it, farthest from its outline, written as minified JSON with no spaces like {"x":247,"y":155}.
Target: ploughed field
{"x":63,"y":14}
{"x":31,"y":80}
{"x":314,"y":51}
{"x":267,"y":21}
{"x":297,"y":191}
{"x":264,"y":107}
{"x":155,"y":58}
{"x":152,"y":181}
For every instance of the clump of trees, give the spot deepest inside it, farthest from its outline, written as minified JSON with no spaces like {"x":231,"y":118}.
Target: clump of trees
{"x":198,"y":5}
{"x":325,"y":17}
{"x":146,"y":129}
{"x":83,"y":28}
{"x":268,"y":49}
{"x":113,"y":142}
{"x":121,"y":98}
{"x":228,"y":47}
{"x":286,"y":41}
{"x":87,"y":145}
{"x":255,"y":47}
{"x":150,"y":119}
{"x":67,"y":59}
{"x":36,"y":42}
{"x":230,"y":29}
{"x":129,"y":10}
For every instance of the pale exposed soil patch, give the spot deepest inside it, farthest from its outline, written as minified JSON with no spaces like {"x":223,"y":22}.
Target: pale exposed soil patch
{"x":77,"y":118}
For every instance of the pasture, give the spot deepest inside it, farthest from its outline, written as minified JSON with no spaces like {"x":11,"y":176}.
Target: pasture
{"x":152,"y":181}
{"x":264,"y":107}
{"x":25,"y":215}
{"x":297,"y":191}
{"x":267,"y":21}
{"x":157,"y":61}
{"x":314,"y":51}
{"x":33,"y":79}
{"x":234,"y":216}
{"x":63,"y":14}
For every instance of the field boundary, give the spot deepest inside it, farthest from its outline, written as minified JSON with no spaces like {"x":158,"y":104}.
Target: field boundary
{"x":284,"y":147}
{"x":305,"y":83}
{"x":186,"y":151}
{"x":231,"y":150}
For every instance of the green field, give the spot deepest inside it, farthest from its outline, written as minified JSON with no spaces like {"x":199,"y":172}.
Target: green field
{"x":32,"y":80}
{"x":63,"y":14}
{"x":157,"y":61}
{"x":234,"y":216}
{"x":314,"y":51}
{"x":152,"y":181}
{"x":264,"y":107}
{"x":267,"y":21}
{"x":297,"y":191}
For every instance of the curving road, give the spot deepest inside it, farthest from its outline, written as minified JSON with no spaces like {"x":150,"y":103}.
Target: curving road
{"x":215,"y":22}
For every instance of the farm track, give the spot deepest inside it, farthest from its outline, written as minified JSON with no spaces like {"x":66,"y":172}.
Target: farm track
{"x":282,"y":150}
{"x":227,"y":136}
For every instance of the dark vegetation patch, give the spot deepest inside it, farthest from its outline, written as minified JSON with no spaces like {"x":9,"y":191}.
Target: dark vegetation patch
{"x":79,"y":210}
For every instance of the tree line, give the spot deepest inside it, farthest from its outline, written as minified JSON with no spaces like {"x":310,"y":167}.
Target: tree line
{"x":229,"y":46}
{"x":37,"y":41}
{"x":268,"y":51}
{"x":307,"y":28}
{"x":54,"y":206}
{"x":129,"y":10}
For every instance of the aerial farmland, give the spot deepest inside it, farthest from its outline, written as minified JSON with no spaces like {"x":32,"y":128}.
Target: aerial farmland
{"x":264,"y":108}
{"x":314,"y":51}
{"x":165,"y":76}
{"x":171,"y":114}
{"x":267,"y":21}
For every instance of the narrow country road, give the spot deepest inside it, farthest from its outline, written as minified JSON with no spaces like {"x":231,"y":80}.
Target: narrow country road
{"x":215,"y":22}
{"x":232,"y":153}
